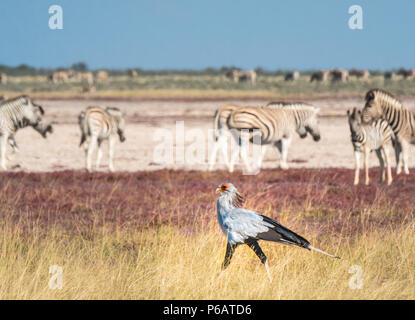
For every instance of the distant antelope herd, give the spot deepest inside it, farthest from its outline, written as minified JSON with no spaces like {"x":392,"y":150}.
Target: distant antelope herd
{"x":234,"y":75}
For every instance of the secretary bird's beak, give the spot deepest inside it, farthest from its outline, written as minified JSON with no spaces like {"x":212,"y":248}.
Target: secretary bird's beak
{"x":218,"y":190}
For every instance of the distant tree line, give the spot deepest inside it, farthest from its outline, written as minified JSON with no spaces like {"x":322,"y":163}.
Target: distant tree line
{"x":26,"y":70}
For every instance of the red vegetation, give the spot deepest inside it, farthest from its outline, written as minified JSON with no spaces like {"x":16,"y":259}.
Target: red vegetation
{"x":319,"y":199}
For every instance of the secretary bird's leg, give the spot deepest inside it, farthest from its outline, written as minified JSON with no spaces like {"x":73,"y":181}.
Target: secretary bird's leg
{"x":253,"y":244}
{"x":230,"y":250}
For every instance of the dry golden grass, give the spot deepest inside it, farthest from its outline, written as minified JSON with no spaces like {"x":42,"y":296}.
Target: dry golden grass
{"x":154,"y":235}
{"x":167,"y":263}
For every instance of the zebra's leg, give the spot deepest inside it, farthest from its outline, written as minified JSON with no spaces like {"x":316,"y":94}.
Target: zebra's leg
{"x":261,"y":156}
{"x":219,"y":144}
{"x":244,"y":146}
{"x":366,"y":164}
{"x":388,"y":165}
{"x":91,"y":147}
{"x":357,"y":167}
{"x":212,"y":158}
{"x":398,"y":155}
{"x":3,"y":146}
{"x":404,"y":145}
{"x":381,"y":164}
{"x":224,"y":148}
{"x":99,"y":154}
{"x":285,"y":143}
{"x":235,"y":150}
{"x":111,"y":142}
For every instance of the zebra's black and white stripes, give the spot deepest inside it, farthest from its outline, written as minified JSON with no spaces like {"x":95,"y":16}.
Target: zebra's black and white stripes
{"x":15,"y":114}
{"x":100,"y":125}
{"x":375,"y":136}
{"x":381,"y":104}
{"x":276,"y":123}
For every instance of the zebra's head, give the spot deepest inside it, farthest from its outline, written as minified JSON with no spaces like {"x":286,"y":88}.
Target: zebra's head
{"x":33,"y":116}
{"x":311,"y":125}
{"x":39,"y":124}
{"x":376,"y":101}
{"x":119,"y":120}
{"x":302,"y":132}
{"x":355,"y":123}
{"x":372,"y":109}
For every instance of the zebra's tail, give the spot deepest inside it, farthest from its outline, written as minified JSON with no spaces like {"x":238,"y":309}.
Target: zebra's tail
{"x":217,"y":125}
{"x":84,"y":127}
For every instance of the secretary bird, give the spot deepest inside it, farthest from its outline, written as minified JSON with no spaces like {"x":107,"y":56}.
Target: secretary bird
{"x":243,"y":226}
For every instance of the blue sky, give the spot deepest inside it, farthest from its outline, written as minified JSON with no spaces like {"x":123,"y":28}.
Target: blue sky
{"x":195,"y":34}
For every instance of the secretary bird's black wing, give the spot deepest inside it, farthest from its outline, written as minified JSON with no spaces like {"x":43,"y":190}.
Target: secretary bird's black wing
{"x":279,"y":233}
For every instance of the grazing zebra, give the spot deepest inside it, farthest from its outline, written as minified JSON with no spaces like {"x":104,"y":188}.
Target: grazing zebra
{"x":240,"y":75}
{"x":276,"y":125}
{"x":339,"y":75}
{"x":382,"y":104}
{"x":292,"y":76}
{"x":18,"y":113}
{"x":406,"y":74}
{"x":100,"y":125}
{"x":370,"y":137}
{"x":360,"y":74}
{"x":3,"y":78}
{"x":133,"y":73}
{"x":389,"y":75}
{"x":321,"y":75}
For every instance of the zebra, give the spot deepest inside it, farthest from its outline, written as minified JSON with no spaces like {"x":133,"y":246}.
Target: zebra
{"x":370,"y":137}
{"x":406,"y":74}
{"x":339,"y":75}
{"x":241,"y":75}
{"x":276,"y":125}
{"x":15,"y":114}
{"x":382,"y":104}
{"x":3,"y":78}
{"x":222,"y":130}
{"x":132,"y":73}
{"x":292,"y":76}
{"x":360,"y":74}
{"x":99,"y":125}
{"x":321,"y":75}
{"x":389,"y":75}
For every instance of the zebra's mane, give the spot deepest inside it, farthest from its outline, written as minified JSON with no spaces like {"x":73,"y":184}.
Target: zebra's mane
{"x":21,"y":97}
{"x":284,"y":103}
{"x":386,"y":98}
{"x":296,"y":106}
{"x":113,"y":111}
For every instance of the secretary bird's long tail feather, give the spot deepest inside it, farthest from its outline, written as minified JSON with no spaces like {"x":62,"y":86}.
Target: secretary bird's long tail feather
{"x":281,"y":234}
{"x":321,"y":251}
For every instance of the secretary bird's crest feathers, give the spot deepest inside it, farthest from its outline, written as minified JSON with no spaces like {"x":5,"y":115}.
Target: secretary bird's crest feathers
{"x":238,"y":200}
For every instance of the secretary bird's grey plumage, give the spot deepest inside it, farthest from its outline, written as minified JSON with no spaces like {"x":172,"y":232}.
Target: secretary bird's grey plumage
{"x":243,"y":226}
